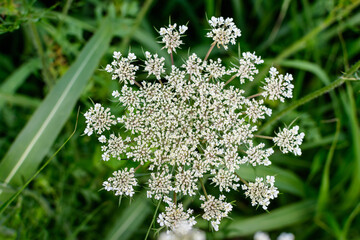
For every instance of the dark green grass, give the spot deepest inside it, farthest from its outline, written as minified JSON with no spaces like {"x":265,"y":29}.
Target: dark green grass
{"x":42,"y":45}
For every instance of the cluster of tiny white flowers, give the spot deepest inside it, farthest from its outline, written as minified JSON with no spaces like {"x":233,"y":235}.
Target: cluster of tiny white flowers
{"x":282,"y":236}
{"x":257,"y":156}
{"x":225,"y":180}
{"x":175,"y":215}
{"x":223,"y":31}
{"x":98,"y":119}
{"x":183,"y":231}
{"x":171,"y":37}
{"x":215,"y":209}
{"x":122,"y":182}
{"x":247,"y":67}
{"x":122,"y":69}
{"x":278,"y":86}
{"x":260,"y":191}
{"x":154,"y":65}
{"x":289,"y":140}
{"x":190,"y":124}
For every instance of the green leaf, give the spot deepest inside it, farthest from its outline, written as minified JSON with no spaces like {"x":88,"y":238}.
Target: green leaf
{"x":36,"y":138}
{"x":131,"y":219}
{"x":279,"y":218}
{"x":17,"y":78}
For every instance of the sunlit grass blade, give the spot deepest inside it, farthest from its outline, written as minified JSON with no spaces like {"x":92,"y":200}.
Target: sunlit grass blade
{"x":38,"y":135}
{"x":131,"y":219}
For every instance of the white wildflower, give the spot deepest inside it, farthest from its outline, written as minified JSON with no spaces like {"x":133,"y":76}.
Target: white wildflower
{"x":98,"y":119}
{"x":193,"y":65}
{"x":154,"y":65}
{"x":247,"y":67}
{"x":256,"y":110}
{"x":159,"y":184}
{"x":261,"y":236}
{"x":257,"y":156}
{"x":183,"y":231}
{"x":122,"y":182}
{"x":171,"y":37}
{"x":215,"y":68}
{"x":215,"y":209}
{"x":114,"y":147}
{"x":175,"y":215}
{"x":289,"y":140}
{"x":225,"y":180}
{"x":286,"y":236}
{"x":261,"y":192}
{"x":185,"y":182}
{"x":123,"y":69}
{"x":278,"y":86}
{"x":223,"y":31}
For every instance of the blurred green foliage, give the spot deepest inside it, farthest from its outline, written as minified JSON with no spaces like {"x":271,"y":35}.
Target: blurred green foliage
{"x":42,"y":45}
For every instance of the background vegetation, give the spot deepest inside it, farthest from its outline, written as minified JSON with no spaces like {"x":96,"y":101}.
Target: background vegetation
{"x":51,"y":58}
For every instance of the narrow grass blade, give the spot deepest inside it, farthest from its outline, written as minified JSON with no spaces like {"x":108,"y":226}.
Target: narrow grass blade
{"x":36,"y":138}
{"x":324,"y":197}
{"x":17,"y":78}
{"x":131,"y":219}
{"x":279,"y":218}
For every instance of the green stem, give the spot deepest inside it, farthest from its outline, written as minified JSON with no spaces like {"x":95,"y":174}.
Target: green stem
{"x":137,"y":23}
{"x":48,"y":78}
{"x":153,"y":220}
{"x":312,"y":96}
{"x":208,"y":53}
{"x":203,"y":188}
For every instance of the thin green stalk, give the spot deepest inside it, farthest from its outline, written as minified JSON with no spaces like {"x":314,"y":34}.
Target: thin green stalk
{"x":13,"y":197}
{"x":325,"y":182}
{"x":313,"y":95}
{"x":48,"y":78}
{"x":137,"y":23}
{"x":153,"y":220}
{"x":353,"y":192}
{"x":347,"y":224}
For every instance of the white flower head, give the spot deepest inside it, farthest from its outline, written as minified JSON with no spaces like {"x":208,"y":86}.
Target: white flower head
{"x":223,"y":31}
{"x":183,"y":231}
{"x":98,"y":119}
{"x":122,"y":182}
{"x":289,"y":140}
{"x":256,"y":155}
{"x":215,"y":209}
{"x":261,"y":192}
{"x":247,"y":67}
{"x":225,"y":180}
{"x":122,"y":68}
{"x":261,"y":236}
{"x":159,"y":184}
{"x":154,"y":65}
{"x":278,"y":86}
{"x":175,"y":215}
{"x":171,"y":37}
{"x":286,"y":236}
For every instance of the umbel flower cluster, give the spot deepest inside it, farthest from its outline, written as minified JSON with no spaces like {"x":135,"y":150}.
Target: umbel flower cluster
{"x":188,"y":126}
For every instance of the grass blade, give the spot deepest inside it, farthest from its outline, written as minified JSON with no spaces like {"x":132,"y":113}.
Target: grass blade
{"x":36,"y":138}
{"x":131,"y":219}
